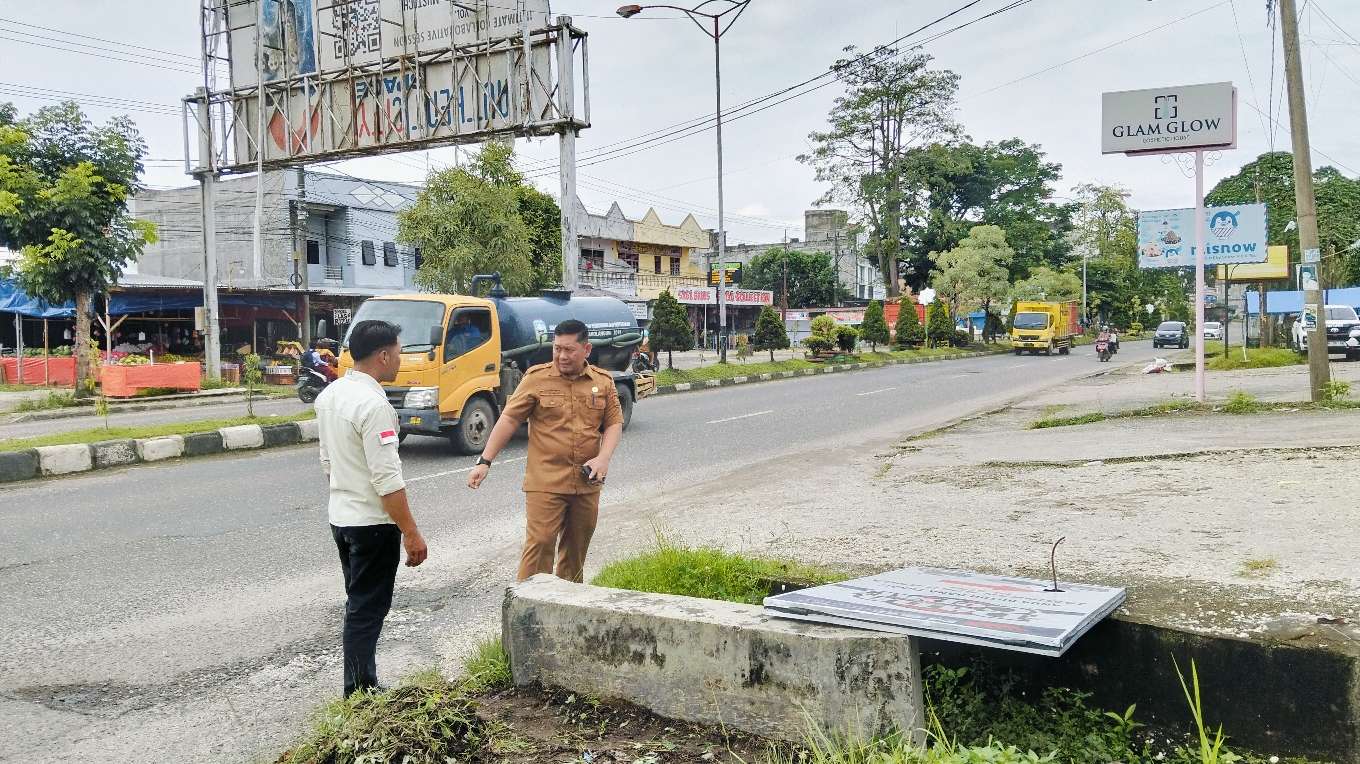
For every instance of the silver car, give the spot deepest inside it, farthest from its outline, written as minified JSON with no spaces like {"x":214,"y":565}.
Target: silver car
{"x":1213,"y":330}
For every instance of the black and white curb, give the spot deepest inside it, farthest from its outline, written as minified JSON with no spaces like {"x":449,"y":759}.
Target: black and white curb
{"x":50,"y":461}
{"x":685,"y":387}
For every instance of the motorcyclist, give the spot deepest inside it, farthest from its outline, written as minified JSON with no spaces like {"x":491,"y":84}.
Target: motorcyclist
{"x":1113,"y":337}
{"x":320,"y":359}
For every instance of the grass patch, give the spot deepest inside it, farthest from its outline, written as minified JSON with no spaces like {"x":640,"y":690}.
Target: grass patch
{"x":1242,"y":403}
{"x":1257,"y":567}
{"x":1068,"y":421}
{"x":708,"y":573}
{"x":753,"y":368}
{"x":54,"y":400}
{"x":149,"y":431}
{"x":489,"y":667}
{"x":425,"y":720}
{"x":1257,"y":358}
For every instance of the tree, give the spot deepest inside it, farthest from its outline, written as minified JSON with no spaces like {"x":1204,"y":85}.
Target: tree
{"x":770,"y":332}
{"x":908,"y":329}
{"x":483,"y":217}
{"x":64,"y":188}
{"x":1047,"y":284}
{"x":975,"y":271}
{"x":811,"y":277}
{"x":670,"y":329}
{"x":939,"y":325}
{"x":874,"y":330}
{"x":893,"y":101}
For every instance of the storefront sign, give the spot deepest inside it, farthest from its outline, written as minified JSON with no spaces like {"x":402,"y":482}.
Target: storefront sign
{"x":341,"y":316}
{"x":1233,"y":234}
{"x":640,"y":310}
{"x":735,"y":297}
{"x":1172,"y":119}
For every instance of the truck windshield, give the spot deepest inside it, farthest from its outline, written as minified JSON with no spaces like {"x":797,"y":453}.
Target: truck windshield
{"x":1031,"y":321}
{"x":415,"y":317}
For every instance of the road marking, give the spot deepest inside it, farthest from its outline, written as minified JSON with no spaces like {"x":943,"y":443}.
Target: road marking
{"x":876,"y":392}
{"x":743,"y":416}
{"x":446,"y":473}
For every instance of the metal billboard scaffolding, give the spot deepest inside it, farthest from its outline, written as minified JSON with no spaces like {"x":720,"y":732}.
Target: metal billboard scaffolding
{"x":324,"y":80}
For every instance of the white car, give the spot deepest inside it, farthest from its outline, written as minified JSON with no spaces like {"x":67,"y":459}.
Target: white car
{"x":1213,"y":330}
{"x":1343,"y":331}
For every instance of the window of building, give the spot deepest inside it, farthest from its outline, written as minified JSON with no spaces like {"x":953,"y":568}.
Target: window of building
{"x":313,"y":252}
{"x":675,"y":266}
{"x":593,"y":259}
{"x":390,"y":254}
{"x":656,"y":264}
{"x":629,"y":259}
{"x":366,"y":253}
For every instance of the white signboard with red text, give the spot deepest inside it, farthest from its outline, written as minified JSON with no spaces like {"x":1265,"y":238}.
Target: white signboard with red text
{"x":736,"y":298}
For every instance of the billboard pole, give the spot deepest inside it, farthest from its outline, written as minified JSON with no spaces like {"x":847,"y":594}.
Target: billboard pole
{"x":1319,"y":373}
{"x":1199,"y":275}
{"x":571,"y":246}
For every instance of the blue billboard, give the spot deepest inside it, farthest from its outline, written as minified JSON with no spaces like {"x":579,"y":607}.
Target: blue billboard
{"x":1233,"y":234}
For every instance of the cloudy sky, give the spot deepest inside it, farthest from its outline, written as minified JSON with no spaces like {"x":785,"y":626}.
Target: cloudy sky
{"x":1035,"y":72}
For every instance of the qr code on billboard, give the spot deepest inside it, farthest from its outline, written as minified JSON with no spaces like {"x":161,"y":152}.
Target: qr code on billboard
{"x":358,"y":28}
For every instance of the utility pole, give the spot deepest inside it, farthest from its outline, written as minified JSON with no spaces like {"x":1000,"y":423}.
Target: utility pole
{"x":1319,"y":373}
{"x":836,"y":298}
{"x":566,"y":105}
{"x":212,"y":336}
{"x":784,"y":298}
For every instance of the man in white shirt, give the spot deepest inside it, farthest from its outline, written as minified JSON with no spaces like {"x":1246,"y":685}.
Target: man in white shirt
{"x":370,"y":519}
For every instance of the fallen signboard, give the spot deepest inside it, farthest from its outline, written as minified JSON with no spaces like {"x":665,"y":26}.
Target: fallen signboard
{"x":1007,"y":612}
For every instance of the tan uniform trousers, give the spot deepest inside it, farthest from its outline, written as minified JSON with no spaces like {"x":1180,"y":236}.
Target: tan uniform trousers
{"x":561,"y":523}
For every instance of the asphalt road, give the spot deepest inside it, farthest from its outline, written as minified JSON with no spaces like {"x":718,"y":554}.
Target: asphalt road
{"x":190,"y":611}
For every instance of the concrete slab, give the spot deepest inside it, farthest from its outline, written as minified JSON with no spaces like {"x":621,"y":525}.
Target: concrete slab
{"x":280,"y":434}
{"x":160,"y":449}
{"x":114,"y":453}
{"x":242,"y":437}
{"x":712,"y":662}
{"x":203,"y":443}
{"x":63,"y":460}
{"x":308,"y":430}
{"x":18,"y":465}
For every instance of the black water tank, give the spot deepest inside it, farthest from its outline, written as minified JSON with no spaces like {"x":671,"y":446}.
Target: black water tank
{"x":527,"y":324}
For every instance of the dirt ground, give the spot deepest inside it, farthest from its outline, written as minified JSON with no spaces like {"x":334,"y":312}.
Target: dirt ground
{"x":1239,"y":526}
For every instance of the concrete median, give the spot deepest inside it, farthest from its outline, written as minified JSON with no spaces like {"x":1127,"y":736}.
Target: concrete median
{"x":64,"y":460}
{"x":712,"y":662}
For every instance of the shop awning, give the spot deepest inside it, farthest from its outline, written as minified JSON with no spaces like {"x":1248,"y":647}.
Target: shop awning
{"x":15,"y":300}
{"x":124,"y":302}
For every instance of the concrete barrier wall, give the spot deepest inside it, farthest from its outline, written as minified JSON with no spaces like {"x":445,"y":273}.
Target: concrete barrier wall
{"x":712,"y":662}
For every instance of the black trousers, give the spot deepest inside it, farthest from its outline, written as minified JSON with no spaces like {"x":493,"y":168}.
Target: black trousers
{"x":369,"y":555}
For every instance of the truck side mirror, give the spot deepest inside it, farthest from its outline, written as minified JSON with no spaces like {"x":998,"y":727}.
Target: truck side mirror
{"x":436,"y":335}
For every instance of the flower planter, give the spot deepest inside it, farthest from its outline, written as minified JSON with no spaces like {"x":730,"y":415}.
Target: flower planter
{"x":125,"y":381}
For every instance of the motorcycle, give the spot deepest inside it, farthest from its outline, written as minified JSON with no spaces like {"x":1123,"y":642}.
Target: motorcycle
{"x":310,"y":384}
{"x":642,"y":363}
{"x":1103,"y":349}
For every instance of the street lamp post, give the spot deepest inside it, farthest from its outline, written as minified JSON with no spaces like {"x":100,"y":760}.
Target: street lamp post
{"x":719,"y":28}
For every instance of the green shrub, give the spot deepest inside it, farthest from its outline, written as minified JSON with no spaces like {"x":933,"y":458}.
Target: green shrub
{"x":1241,"y":403}
{"x":908,"y":329}
{"x":708,"y":573}
{"x":939,"y":327}
{"x":488,"y":668}
{"x":874,"y":330}
{"x":1135,"y":328}
{"x":1336,"y":390}
{"x":817,"y":344}
{"x":824,"y":326}
{"x":846,"y":338}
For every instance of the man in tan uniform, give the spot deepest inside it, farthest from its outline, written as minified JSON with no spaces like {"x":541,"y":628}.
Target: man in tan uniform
{"x":575,"y":424}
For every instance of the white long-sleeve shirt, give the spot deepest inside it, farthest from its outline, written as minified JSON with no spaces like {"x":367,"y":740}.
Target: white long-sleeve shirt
{"x":358,"y":436}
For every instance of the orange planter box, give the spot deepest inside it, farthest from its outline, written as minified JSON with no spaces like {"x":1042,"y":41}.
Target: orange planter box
{"x":125,"y":381}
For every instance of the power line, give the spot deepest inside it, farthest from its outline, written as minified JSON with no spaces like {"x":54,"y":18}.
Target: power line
{"x":1246,"y":63}
{"x":48,"y":43}
{"x":28,"y":25}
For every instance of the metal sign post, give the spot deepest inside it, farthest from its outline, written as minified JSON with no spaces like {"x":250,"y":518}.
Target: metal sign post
{"x":1199,"y":275}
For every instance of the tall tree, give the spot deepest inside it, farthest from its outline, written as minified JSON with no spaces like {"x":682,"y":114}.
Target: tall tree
{"x":908,"y":332}
{"x":975,"y":272}
{"x":939,"y":324}
{"x":1270,"y":179}
{"x":480,"y":218}
{"x":1047,"y":284}
{"x":670,"y":329}
{"x":893,"y":101}
{"x":64,"y":188}
{"x":771,"y":334}
{"x":811,"y":277}
{"x":874,"y":330}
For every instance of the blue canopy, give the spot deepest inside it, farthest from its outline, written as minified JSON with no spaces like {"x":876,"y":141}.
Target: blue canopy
{"x":15,"y":300}
{"x":1286,"y":302}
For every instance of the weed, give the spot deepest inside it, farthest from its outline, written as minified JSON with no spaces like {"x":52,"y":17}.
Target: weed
{"x":1211,"y":750}
{"x":488,"y":668}
{"x":1068,"y":421}
{"x":1242,"y":403}
{"x":1259,"y":567}
{"x":1336,"y":390}
{"x":54,"y":400}
{"x":883,"y":470}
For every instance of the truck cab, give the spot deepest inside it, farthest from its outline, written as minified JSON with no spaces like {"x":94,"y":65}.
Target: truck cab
{"x":462,"y":357}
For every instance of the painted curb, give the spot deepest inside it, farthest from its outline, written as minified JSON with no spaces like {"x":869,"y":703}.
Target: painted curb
{"x":685,"y":387}
{"x":275,"y":435}
{"x":242,"y":437}
{"x":308,"y":430}
{"x":66,"y":459}
{"x":160,"y":449}
{"x":114,"y":453}
{"x":18,"y":465}
{"x":203,"y":444}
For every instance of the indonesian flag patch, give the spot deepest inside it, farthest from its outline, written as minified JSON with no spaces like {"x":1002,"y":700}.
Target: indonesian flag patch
{"x":387,"y":437}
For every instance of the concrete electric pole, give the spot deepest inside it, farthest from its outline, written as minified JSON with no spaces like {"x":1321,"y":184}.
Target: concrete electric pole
{"x":1318,"y":371}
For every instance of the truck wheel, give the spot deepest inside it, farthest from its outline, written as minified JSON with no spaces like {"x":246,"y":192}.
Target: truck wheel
{"x":625,"y":403}
{"x":1064,"y":350}
{"x":474,"y":426}
{"x":1018,"y":351}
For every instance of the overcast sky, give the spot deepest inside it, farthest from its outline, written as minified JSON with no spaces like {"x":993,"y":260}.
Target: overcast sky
{"x":1036,"y":73}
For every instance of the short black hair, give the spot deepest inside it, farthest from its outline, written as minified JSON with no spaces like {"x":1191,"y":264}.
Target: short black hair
{"x":573,"y":328}
{"x":368,"y":337}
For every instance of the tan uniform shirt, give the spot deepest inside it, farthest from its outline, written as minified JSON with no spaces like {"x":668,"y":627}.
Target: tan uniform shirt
{"x":566,"y":419}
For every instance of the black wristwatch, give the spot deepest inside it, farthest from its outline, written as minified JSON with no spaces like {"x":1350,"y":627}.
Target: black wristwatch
{"x":483,"y":460}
